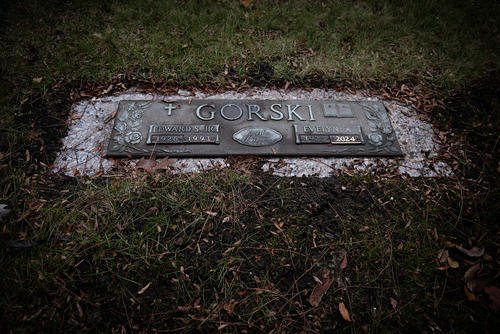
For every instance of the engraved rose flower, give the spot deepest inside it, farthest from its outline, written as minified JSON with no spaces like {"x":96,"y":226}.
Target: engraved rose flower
{"x":133,"y":137}
{"x":375,"y":138}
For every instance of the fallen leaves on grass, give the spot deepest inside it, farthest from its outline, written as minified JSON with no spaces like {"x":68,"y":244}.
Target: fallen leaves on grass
{"x":164,"y":163}
{"x":474,"y":285}
{"x":223,"y":325}
{"x":321,"y":288}
{"x":469,"y":295}
{"x":473,"y":252}
{"x":494,"y":295}
{"x":442,"y":256}
{"x":452,"y":263}
{"x":229,"y":306}
{"x":344,"y":312}
{"x":394,"y":303}
{"x":150,"y":165}
{"x":107,"y":90}
{"x":343,"y":263}
{"x":211,"y":213}
{"x":146,"y":164}
{"x":246,"y":3}
{"x":470,"y":277}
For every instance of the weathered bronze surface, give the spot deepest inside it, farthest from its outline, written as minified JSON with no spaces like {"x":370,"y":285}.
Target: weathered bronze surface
{"x":252,"y":127}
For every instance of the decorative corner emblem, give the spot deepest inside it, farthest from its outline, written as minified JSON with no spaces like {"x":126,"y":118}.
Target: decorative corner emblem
{"x":127,"y":128}
{"x":257,"y":137}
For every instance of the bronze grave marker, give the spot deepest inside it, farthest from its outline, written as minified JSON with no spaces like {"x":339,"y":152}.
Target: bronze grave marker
{"x":203,"y":128}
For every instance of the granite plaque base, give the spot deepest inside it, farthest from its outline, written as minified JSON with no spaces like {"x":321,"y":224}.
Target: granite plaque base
{"x":201,"y":128}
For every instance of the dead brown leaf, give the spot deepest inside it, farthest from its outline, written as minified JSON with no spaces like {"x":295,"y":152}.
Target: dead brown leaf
{"x":394,"y":303}
{"x":320,"y":289}
{"x":147,"y":165}
{"x":110,"y":117}
{"x":473,"y":252}
{"x":246,"y":3}
{"x":470,"y":277}
{"x":229,"y":306}
{"x":452,"y":263}
{"x":494,"y":294}
{"x":343,"y":263}
{"x":442,"y":256}
{"x":223,"y":325}
{"x":469,"y":295}
{"x":107,"y":90}
{"x":344,"y":312}
{"x":185,"y":308}
{"x":197,"y":304}
{"x":211,"y":213}
{"x":164,"y":163}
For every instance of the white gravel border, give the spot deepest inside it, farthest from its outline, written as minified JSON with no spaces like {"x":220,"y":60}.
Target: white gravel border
{"x":90,"y":127}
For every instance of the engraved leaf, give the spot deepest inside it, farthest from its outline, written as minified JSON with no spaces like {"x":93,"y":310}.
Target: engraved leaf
{"x":122,"y":116}
{"x":119,"y":140}
{"x":120,"y":127}
{"x":134,"y":124}
{"x":372,"y":125}
{"x":144,"y":104}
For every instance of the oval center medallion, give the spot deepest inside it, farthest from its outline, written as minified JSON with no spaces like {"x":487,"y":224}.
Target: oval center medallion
{"x":255,"y":136}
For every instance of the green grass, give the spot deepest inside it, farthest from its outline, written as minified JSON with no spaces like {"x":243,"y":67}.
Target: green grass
{"x":100,"y":242}
{"x":237,"y":248}
{"x":440,"y":43}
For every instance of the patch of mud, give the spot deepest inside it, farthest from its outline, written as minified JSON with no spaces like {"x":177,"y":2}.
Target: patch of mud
{"x":91,"y":121}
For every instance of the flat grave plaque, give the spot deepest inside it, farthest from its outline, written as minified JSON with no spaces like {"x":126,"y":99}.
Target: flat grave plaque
{"x":197,"y":128}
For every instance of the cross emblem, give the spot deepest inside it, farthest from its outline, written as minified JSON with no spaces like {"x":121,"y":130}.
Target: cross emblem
{"x":169,"y":109}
